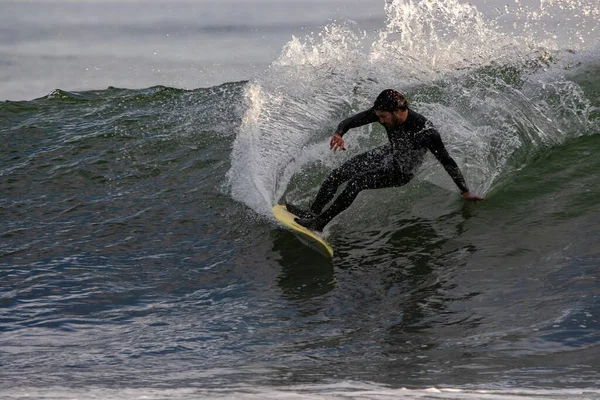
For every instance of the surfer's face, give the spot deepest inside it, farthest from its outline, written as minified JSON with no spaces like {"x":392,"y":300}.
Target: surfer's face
{"x":391,"y":119}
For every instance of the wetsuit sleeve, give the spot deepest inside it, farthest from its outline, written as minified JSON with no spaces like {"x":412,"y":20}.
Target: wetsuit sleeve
{"x":360,"y":119}
{"x":436,"y":146}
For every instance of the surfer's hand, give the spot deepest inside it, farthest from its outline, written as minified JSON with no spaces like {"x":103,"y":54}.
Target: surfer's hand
{"x":337,"y":142}
{"x":471,"y":196}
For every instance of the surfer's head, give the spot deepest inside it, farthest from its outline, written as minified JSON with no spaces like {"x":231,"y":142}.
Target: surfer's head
{"x":390,"y":100}
{"x":391,"y":108}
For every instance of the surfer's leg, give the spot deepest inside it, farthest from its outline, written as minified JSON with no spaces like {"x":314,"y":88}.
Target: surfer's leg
{"x":364,"y":162}
{"x":375,"y":179}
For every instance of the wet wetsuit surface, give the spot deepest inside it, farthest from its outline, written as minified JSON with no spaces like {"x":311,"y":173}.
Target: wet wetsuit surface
{"x":393,"y":164}
{"x":409,"y":143}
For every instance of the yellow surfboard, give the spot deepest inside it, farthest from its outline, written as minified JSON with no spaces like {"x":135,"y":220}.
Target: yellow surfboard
{"x":306,"y":236}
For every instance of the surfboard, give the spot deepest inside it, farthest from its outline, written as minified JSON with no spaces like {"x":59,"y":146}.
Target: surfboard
{"x":306,"y":236}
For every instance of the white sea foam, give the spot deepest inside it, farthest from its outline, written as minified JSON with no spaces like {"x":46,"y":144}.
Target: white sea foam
{"x":342,"y":390}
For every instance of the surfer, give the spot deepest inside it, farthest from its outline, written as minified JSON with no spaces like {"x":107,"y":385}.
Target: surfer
{"x":410,"y":135}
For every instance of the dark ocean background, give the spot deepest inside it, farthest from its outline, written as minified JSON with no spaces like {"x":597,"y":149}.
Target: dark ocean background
{"x":138,"y":254}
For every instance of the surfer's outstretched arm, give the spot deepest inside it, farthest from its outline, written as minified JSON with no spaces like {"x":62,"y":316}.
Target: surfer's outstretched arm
{"x":360,"y":119}
{"x":436,"y":146}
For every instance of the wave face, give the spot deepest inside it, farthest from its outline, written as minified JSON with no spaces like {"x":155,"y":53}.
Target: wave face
{"x":138,"y":258}
{"x":499,"y":89}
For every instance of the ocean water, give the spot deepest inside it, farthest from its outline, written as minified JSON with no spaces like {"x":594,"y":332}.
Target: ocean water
{"x":143,"y":145}
{"x":94,"y":44}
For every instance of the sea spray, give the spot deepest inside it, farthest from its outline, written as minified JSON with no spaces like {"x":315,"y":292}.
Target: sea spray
{"x":423,"y":38}
{"x":286,"y":109}
{"x":495,"y":90}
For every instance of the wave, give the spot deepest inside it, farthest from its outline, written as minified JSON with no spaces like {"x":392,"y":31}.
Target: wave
{"x":498,"y":95}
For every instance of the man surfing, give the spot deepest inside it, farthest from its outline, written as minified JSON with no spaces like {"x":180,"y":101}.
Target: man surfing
{"x":410,"y":135}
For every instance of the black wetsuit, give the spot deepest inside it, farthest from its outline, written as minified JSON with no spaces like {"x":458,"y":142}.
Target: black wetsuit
{"x":391,"y":165}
